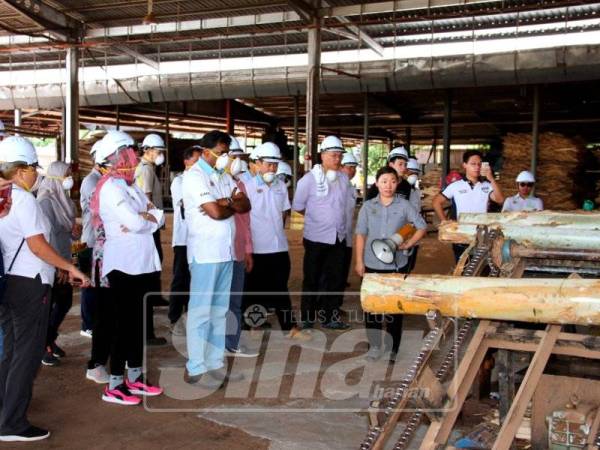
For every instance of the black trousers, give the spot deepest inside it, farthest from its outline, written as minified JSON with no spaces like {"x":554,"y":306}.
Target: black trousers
{"x":393,"y":323}
{"x":156,"y":286}
{"x":180,"y":285}
{"x":347,"y":263}
{"x":89,"y":295}
{"x":62,"y":300}
{"x":102,"y":325}
{"x":24,"y":320}
{"x":271,"y":273}
{"x":126,"y":303}
{"x":323,"y":273}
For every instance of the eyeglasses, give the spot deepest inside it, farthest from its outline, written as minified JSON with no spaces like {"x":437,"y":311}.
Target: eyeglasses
{"x":526,"y":184}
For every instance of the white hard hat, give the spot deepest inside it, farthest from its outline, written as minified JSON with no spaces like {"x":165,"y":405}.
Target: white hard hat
{"x":2,"y":132}
{"x":525,"y":177}
{"x":331,"y":144}
{"x":413,"y":165}
{"x":235,"y":148}
{"x":398,"y":152}
{"x":95,"y":146}
{"x":349,"y":160}
{"x":153,"y":141}
{"x":244,"y":167}
{"x":18,"y":149}
{"x":111,"y":142}
{"x":268,"y":151}
{"x":284,"y":169}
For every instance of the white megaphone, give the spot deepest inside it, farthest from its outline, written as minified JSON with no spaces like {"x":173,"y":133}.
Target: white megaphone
{"x":385,"y":249}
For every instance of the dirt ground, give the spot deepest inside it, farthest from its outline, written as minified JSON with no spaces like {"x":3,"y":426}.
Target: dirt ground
{"x":70,"y":406}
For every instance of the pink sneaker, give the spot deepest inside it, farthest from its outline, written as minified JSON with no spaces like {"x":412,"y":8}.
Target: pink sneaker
{"x":142,"y":387}
{"x":120,"y":395}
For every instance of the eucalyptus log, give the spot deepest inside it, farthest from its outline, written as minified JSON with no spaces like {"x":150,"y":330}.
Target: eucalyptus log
{"x":552,"y":300}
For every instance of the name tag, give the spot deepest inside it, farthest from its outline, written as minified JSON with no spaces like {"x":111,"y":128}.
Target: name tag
{"x":462,"y":191}
{"x":485,"y":189}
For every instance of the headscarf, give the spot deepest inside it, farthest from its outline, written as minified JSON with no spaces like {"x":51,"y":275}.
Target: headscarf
{"x":122,"y":165}
{"x":52,"y":189}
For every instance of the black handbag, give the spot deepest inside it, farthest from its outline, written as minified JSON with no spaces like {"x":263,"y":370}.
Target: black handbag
{"x":3,"y":274}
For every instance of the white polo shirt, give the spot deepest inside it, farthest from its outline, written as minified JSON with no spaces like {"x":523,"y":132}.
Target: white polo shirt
{"x":24,"y":220}
{"x":179,"y":225}
{"x":132,"y":252}
{"x":469,"y":198}
{"x":518,"y":203}
{"x":266,"y":216}
{"x":209,"y":241}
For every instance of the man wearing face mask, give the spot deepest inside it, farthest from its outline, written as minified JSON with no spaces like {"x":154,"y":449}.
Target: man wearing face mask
{"x":59,"y":209}
{"x":349,"y":164}
{"x":322,"y":197}
{"x":154,"y":148}
{"x":211,"y":199}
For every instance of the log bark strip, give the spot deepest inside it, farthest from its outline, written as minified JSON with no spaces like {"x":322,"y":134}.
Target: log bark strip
{"x":560,"y":301}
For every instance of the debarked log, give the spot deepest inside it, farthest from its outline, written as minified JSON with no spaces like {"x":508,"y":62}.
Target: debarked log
{"x":552,"y":300}
{"x":537,"y":236}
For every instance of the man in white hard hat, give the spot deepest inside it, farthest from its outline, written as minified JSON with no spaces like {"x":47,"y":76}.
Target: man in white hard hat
{"x":349,"y":164}
{"x":271,"y":270}
{"x":211,"y":199}
{"x":524,"y":200}
{"x":322,"y":197}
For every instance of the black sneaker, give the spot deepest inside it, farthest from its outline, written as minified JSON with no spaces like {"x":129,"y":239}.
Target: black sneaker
{"x":49,"y":359}
{"x":30,"y":434}
{"x":57,"y":351}
{"x":336,"y":325}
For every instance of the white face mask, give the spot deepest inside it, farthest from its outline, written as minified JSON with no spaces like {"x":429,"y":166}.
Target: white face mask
{"x":67,"y":183}
{"x":160,"y":159}
{"x":412,"y":179}
{"x":236,"y":167}
{"x":268,"y":177}
{"x":331,"y":175}
{"x":222,"y":162}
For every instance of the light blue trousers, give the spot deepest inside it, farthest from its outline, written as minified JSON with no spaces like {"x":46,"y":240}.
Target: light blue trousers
{"x":209,"y":302}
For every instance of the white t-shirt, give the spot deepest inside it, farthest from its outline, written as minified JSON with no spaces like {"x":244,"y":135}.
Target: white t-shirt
{"x":179,"y":223}
{"x":24,"y":220}
{"x":209,"y":241}
{"x":467,"y":197}
{"x":266,"y":216}
{"x":518,"y":203}
{"x":132,"y":252}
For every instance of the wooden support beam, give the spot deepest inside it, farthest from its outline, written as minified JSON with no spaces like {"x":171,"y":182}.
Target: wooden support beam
{"x":525,"y":393}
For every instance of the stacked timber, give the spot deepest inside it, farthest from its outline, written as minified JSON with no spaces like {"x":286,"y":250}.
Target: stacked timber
{"x":561,"y":182}
{"x":430,"y":186}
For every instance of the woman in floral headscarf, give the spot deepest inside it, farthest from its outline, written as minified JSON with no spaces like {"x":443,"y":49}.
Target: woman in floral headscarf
{"x":129,"y":259}
{"x":59,"y":209}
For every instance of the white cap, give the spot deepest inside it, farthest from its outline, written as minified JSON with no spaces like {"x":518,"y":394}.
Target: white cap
{"x":153,"y":141}
{"x":413,"y":165}
{"x":111,"y":142}
{"x":525,"y":177}
{"x":268,"y":151}
{"x":398,"y":152}
{"x":235,"y":148}
{"x":349,"y":160}
{"x":2,"y":132}
{"x":18,"y":149}
{"x":331,"y":144}
{"x":284,"y":168}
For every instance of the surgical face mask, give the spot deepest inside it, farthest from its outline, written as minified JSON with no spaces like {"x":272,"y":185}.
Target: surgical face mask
{"x":67,"y":183}
{"x":160,"y":159}
{"x":268,"y":177}
{"x":412,"y":179}
{"x":331,"y":175}
{"x":222,"y":161}
{"x":236,"y":167}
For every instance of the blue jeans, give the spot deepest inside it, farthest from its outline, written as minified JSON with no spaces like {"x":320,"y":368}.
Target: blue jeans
{"x":207,"y":309}
{"x":234,"y":315}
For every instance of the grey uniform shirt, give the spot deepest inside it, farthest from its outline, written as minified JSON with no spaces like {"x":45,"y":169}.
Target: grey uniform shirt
{"x":60,"y":239}
{"x":147,"y":180}
{"x":376,"y":221}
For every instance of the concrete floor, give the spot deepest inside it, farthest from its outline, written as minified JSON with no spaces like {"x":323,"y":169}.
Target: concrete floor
{"x":292,"y":398}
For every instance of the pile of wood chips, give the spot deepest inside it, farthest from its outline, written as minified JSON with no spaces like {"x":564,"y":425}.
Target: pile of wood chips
{"x":561,"y":182}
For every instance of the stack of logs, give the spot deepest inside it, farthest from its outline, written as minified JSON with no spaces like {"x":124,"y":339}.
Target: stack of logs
{"x":561,"y":181}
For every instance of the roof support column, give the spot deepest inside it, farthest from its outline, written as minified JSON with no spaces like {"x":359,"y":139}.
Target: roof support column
{"x":364,"y":155}
{"x":312,"y":87}
{"x":535,"y":132}
{"x":17,"y":119}
{"x":72,"y":106}
{"x":296,"y":143}
{"x":447,"y":135}
{"x":229,"y":119}
{"x":408,"y":139}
